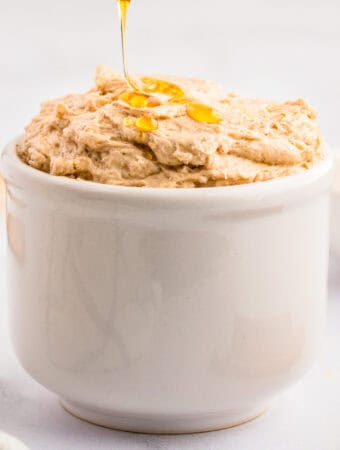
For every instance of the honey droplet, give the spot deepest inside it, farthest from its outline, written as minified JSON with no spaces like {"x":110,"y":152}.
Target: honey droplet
{"x":153,"y":101}
{"x":202,"y":113}
{"x":162,"y":87}
{"x":139,"y":100}
{"x":149,"y":155}
{"x":61,"y":110}
{"x":128,"y":121}
{"x":146,"y":123}
{"x":180,"y":101}
{"x":123,"y":3}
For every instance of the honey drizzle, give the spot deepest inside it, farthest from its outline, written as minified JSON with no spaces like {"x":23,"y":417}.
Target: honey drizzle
{"x":146,"y":123}
{"x":139,"y":100}
{"x":139,"y":96}
{"x":153,"y":85}
{"x":202,"y":113}
{"x":123,"y":8}
{"x":142,"y":123}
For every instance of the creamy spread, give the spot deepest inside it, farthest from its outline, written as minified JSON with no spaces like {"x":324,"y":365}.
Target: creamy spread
{"x":102,"y":137}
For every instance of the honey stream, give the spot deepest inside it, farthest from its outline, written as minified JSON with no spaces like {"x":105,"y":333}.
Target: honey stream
{"x":150,"y":92}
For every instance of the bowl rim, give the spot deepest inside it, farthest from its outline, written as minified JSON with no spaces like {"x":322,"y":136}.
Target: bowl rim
{"x":15,"y":171}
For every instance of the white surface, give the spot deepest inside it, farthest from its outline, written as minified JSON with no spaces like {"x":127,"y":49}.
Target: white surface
{"x":135,"y":310}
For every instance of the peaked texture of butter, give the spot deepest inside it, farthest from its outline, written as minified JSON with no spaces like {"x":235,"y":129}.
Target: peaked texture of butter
{"x":93,"y":136}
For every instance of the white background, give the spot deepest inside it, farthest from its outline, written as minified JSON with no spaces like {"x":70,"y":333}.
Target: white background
{"x":277,"y":49}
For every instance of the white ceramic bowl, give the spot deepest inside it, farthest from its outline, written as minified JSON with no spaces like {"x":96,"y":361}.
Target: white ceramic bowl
{"x":335,"y":222}
{"x":8,"y":442}
{"x":166,"y":311}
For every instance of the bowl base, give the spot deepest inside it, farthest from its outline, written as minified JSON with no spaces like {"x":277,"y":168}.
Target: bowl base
{"x":161,"y":425}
